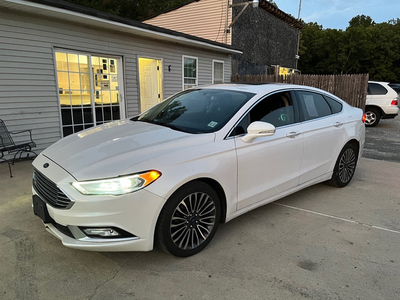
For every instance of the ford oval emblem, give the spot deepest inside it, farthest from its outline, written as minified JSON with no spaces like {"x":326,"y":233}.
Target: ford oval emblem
{"x":46,"y":165}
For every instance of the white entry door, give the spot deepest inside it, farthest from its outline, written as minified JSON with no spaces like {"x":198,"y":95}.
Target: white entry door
{"x":150,"y":82}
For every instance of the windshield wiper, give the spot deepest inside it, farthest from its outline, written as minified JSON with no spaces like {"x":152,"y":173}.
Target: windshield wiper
{"x":170,"y":126}
{"x":159,"y":123}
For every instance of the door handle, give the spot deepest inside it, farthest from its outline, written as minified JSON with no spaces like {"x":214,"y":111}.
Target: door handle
{"x":293,"y":134}
{"x":338,"y":124}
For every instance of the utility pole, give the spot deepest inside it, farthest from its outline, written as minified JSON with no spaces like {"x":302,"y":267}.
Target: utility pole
{"x":298,"y":37}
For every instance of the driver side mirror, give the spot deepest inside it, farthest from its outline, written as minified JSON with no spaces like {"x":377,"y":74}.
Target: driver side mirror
{"x":258,"y":129}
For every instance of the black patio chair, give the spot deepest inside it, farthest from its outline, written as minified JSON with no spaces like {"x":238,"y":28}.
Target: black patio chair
{"x":8,"y":146}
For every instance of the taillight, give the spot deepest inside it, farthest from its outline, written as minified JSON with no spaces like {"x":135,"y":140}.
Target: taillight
{"x":364,"y":117}
{"x":394,"y":102}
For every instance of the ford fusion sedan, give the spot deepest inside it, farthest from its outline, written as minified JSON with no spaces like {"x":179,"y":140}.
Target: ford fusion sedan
{"x":202,"y":157}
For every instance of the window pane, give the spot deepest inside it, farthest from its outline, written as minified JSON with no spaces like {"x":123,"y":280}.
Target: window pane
{"x":115,"y":112}
{"x":276,"y":109}
{"x":67,"y":130}
{"x":190,"y":81}
{"x":83,"y":64}
{"x":77,"y":113}
{"x":335,"y":105}
{"x":61,"y":61}
{"x":218,"y":72}
{"x":376,"y":89}
{"x":113,"y":66}
{"x":114,"y":97}
{"x":104,"y":65}
{"x":73,"y":65}
{"x":78,"y":128}
{"x":63,"y":82}
{"x":74,"y":81}
{"x":87,"y":115}
{"x":66,"y":116}
{"x":190,"y":67}
{"x":313,"y":105}
{"x":107,"y":113}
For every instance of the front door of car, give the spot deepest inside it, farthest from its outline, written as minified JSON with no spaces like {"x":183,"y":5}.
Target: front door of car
{"x":269,"y":165}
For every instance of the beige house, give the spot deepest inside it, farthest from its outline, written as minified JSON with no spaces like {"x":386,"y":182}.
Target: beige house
{"x":266,"y":35}
{"x":205,"y":18}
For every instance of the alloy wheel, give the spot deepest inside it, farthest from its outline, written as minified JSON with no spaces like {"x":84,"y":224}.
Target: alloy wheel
{"x":370,"y":117}
{"x":347,"y":165}
{"x":192,"y":221}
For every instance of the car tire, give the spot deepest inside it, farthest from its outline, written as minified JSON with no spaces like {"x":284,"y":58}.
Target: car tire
{"x":188,"y":220}
{"x":373,"y":116}
{"x":345,"y":166}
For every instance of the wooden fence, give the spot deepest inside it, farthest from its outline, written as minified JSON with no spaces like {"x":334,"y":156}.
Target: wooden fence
{"x":350,"y":88}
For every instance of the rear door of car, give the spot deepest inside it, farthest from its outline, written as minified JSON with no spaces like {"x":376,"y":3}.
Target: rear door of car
{"x":323,"y":129}
{"x":269,"y":165}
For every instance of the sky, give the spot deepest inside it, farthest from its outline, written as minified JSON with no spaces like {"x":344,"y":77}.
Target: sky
{"x":336,"y":14}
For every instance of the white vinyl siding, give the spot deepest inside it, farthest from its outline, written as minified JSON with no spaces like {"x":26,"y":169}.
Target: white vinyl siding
{"x":28,"y":97}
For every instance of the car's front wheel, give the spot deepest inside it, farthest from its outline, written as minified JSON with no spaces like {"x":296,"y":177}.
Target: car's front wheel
{"x":345,"y":166}
{"x":373,"y":116}
{"x":189,"y":220}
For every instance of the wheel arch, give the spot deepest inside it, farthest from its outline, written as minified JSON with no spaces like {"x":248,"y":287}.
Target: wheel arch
{"x":356,"y":144}
{"x":375,"y":107}
{"x":215,"y":185}
{"x":221,"y":194}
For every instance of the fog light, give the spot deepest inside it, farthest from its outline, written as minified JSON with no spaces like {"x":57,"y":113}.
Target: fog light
{"x":101,"y":232}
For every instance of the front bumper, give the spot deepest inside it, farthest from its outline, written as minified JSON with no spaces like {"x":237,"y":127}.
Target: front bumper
{"x":135,"y":213}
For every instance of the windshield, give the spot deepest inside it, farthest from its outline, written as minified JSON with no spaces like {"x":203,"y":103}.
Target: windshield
{"x":196,"y":111}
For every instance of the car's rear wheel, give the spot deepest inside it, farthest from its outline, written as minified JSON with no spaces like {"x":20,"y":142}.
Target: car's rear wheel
{"x":345,"y":166}
{"x":373,"y":116}
{"x":189,"y":220}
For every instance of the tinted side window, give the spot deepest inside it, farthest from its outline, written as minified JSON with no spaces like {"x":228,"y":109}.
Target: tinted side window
{"x":276,"y":109}
{"x":335,"y":105}
{"x":376,"y":89}
{"x":313,"y":105}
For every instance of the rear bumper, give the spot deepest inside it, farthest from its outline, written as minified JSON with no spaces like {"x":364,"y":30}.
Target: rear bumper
{"x":388,"y":116}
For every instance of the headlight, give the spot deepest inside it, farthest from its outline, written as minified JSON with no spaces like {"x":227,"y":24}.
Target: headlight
{"x":116,"y":186}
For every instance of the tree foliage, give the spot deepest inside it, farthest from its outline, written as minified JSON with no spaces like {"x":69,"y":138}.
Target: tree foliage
{"x":364,"y":47}
{"x":132,"y":9}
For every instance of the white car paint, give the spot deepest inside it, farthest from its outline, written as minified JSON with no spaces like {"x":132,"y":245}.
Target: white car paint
{"x":384,"y":101}
{"x":250,"y":174}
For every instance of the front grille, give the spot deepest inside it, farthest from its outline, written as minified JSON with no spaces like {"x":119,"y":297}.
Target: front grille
{"x":49,"y":192}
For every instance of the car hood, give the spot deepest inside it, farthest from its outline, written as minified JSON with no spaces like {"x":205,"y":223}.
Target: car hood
{"x":119,"y":148}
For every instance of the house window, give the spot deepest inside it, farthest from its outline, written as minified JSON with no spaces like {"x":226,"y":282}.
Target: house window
{"x":89,"y":90}
{"x":189,"y":72}
{"x":218,"y":71}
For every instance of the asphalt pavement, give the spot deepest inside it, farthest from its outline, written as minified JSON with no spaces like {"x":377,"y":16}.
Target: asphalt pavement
{"x":383,"y":141}
{"x":320,"y":243}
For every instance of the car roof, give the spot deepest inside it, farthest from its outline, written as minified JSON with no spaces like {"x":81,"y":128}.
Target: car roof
{"x":258,"y":88}
{"x":381,"y":82}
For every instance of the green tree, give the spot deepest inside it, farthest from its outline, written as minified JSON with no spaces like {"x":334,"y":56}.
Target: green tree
{"x":364,"y":47}
{"x":132,"y":9}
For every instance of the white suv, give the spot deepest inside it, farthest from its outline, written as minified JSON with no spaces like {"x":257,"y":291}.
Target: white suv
{"x":382,"y":102}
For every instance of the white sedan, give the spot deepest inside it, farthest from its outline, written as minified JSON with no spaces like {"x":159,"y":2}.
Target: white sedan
{"x":201,"y":157}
